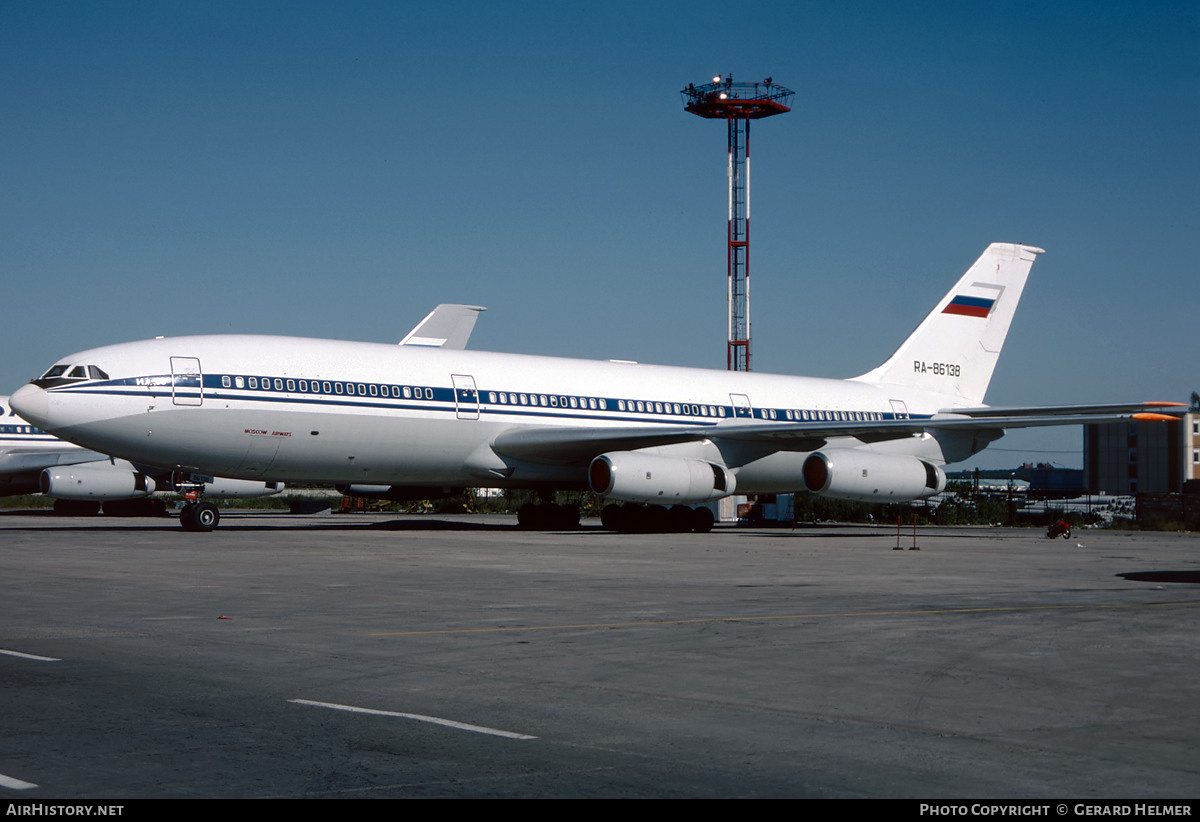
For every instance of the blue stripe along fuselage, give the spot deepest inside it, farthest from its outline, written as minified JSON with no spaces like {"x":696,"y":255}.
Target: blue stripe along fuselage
{"x":446,"y":398}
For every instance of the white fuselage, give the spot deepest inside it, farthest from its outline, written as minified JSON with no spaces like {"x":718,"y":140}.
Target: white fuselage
{"x":308,"y":410}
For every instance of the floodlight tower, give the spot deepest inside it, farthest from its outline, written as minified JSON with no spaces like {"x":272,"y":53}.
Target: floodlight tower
{"x":738,"y":104}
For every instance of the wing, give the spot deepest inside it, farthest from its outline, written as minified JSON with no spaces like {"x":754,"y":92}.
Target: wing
{"x":18,"y":460}
{"x":1170,"y":410}
{"x":20,"y":467}
{"x":568,"y":445}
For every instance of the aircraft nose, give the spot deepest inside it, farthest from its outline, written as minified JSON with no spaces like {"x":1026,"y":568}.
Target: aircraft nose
{"x":30,"y":402}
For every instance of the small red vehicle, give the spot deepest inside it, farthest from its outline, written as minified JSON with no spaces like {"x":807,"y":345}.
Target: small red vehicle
{"x":1062,"y":528}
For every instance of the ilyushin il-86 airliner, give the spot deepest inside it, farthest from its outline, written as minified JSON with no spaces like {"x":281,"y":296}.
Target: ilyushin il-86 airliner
{"x":414,"y":420}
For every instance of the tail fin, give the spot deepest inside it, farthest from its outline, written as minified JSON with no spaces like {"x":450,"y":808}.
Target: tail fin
{"x":954,"y":350}
{"x":447,"y":326}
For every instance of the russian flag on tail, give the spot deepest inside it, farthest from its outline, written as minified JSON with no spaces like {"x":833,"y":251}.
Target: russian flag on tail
{"x":970,"y":306}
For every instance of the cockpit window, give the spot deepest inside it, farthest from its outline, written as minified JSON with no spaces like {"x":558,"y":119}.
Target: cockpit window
{"x":68,"y":374}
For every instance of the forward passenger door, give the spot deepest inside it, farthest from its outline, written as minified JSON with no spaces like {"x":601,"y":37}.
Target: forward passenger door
{"x":187,"y":382}
{"x":466,"y":397}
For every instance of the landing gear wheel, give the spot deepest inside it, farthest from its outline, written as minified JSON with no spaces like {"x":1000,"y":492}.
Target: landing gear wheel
{"x":199,"y":516}
{"x":205,"y":516}
{"x":679,"y":519}
{"x":76,"y":508}
{"x":143,"y":507}
{"x":527,"y":516}
{"x":612,"y":517}
{"x":547,"y":517}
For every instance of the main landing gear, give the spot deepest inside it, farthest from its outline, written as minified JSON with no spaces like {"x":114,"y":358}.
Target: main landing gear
{"x":626,"y":518}
{"x":548,"y":516}
{"x":629,"y":518}
{"x":199,"y":516}
{"x":657,"y":519}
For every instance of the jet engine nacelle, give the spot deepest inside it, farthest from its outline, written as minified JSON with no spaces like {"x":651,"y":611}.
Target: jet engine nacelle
{"x":845,"y":473}
{"x":634,"y":477}
{"x":100,"y":481}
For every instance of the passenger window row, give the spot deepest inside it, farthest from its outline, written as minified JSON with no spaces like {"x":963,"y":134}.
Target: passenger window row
{"x":500,"y":398}
{"x":678,"y":409}
{"x":832,"y":416}
{"x":547,"y":400}
{"x":335,"y":388}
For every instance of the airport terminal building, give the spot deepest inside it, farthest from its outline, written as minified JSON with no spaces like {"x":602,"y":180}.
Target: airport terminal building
{"x":1141,"y":457}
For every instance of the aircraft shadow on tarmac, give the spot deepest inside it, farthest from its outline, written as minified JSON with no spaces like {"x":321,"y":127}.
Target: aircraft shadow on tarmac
{"x":1192,"y":577}
{"x":232,"y":522}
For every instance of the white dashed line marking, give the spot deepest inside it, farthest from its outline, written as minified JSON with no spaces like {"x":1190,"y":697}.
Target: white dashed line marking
{"x":29,"y":656}
{"x":449,"y":723}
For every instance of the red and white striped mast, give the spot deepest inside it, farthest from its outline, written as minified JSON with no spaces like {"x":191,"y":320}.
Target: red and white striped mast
{"x":738,"y":104}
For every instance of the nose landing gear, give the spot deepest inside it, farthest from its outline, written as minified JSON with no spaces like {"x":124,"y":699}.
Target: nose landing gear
{"x":199,"y":516}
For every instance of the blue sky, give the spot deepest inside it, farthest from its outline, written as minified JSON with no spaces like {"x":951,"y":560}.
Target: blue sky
{"x":336,"y":169}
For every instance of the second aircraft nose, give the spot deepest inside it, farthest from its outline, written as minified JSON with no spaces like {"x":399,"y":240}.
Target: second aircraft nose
{"x":30,"y":402}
